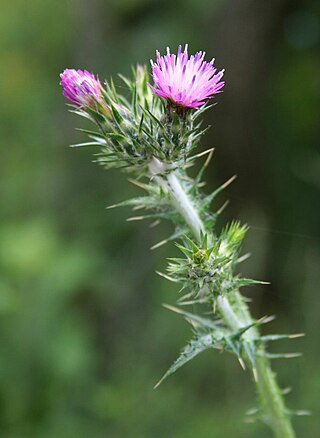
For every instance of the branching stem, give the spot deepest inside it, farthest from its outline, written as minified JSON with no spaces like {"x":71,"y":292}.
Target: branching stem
{"x":235,"y":312}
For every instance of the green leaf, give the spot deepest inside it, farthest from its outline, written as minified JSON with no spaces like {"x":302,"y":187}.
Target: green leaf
{"x":282,"y":355}
{"x":195,"y":347}
{"x":191,"y":243}
{"x":269,"y":338}
{"x":240,"y":282}
{"x":117,"y":115}
{"x":202,"y":322}
{"x":127,"y":81}
{"x":89,"y":143}
{"x":208,"y":199}
{"x":91,"y":133}
{"x":186,"y":251}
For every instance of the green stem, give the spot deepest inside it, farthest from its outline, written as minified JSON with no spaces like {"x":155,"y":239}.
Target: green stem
{"x":179,"y":197}
{"x":270,"y":397}
{"x":271,"y":400}
{"x":234,"y":312}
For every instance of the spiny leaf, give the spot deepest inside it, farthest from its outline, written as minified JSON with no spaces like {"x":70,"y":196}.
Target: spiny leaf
{"x":208,"y":199}
{"x":167,"y":277}
{"x":195,"y":347}
{"x":82,"y":114}
{"x":117,"y":116}
{"x":127,"y":81}
{"x":202,"y":110}
{"x":249,"y":349}
{"x":141,"y":123}
{"x":147,"y":216}
{"x":89,"y":143}
{"x":186,"y":251}
{"x":177,"y":234}
{"x":282,"y":356}
{"x":191,"y":243}
{"x":90,"y":133}
{"x":268,"y":338}
{"x":240,"y":282}
{"x":202,"y":322}
{"x":154,"y":118}
{"x":201,"y":154}
{"x":199,"y":176}
{"x":141,"y":201}
{"x":299,"y":412}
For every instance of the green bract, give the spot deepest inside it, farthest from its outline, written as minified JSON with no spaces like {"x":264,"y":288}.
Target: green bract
{"x":140,"y":126}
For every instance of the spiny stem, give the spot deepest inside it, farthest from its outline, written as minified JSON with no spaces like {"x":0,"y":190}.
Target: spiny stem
{"x":185,"y":206}
{"x":271,"y":400}
{"x":180,"y":199}
{"x":235,"y":313}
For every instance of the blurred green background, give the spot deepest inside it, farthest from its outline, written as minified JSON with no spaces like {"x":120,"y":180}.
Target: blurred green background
{"x":83,"y":336}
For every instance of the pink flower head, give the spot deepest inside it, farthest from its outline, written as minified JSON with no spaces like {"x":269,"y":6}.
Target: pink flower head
{"x":185,"y":81}
{"x":80,"y":87}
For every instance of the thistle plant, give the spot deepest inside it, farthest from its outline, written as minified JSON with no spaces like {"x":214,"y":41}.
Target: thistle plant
{"x":153,"y":132}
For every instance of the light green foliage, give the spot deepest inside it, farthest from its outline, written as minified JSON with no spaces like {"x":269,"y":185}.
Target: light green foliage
{"x":212,"y":334}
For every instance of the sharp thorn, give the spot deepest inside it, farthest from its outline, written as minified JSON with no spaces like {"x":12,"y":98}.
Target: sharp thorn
{"x":214,"y":307}
{"x":167,"y":277}
{"x":283,"y":356}
{"x":192,"y":302}
{"x":157,"y":384}
{"x":243,"y":258}
{"x":135,"y":218}
{"x":137,"y":183}
{"x":157,"y":245}
{"x":222,"y":208}
{"x":201,"y":154}
{"x":241,"y":362}
{"x":155,"y":223}
{"x":173,"y":308}
{"x":252,"y":411}
{"x":209,"y":157}
{"x":292,"y":355}
{"x":266,"y":319}
{"x":286,"y":391}
{"x":228,"y":182}
{"x":296,"y":335}
{"x":302,"y":412}
{"x":255,"y":374}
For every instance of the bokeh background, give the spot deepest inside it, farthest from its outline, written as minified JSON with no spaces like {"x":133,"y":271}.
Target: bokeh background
{"x":83,"y":336}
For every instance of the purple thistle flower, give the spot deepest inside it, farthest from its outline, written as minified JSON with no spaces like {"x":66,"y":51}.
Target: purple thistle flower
{"x":81,"y":87}
{"x":185,"y":81}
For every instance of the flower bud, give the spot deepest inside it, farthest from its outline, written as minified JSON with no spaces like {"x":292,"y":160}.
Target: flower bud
{"x":81,"y":88}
